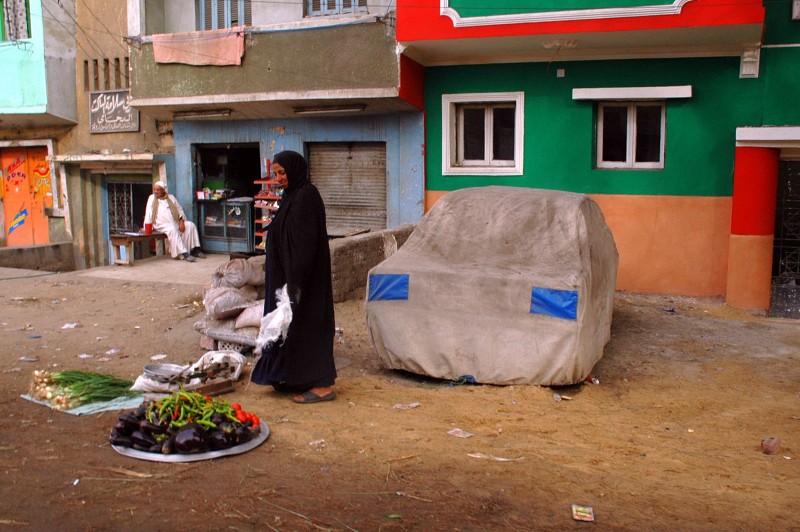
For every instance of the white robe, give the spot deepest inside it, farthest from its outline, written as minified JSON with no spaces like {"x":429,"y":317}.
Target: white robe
{"x":179,"y":243}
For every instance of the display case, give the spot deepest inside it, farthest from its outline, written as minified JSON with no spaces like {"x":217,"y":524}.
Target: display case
{"x":267,"y":202}
{"x":226,"y":225}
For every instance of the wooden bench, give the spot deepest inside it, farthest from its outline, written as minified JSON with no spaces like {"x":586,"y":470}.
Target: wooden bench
{"x":128,"y":239}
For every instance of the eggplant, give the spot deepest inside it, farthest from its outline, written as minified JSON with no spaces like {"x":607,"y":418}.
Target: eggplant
{"x":218,"y":439}
{"x":142,"y":410}
{"x":119,"y":440}
{"x":217,"y":418}
{"x":168,"y":446}
{"x":242,"y":434}
{"x":191,"y":439}
{"x":127,"y":423}
{"x":151,"y":428}
{"x":140,"y":438}
{"x":122,"y":428}
{"x":155,"y":448}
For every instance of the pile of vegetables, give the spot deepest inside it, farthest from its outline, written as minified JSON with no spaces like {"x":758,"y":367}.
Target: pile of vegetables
{"x":68,"y":389}
{"x":185,"y":423}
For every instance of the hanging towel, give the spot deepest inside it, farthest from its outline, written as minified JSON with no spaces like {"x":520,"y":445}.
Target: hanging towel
{"x":213,"y":47}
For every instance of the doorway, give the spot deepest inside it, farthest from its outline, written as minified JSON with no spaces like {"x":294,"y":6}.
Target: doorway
{"x":230,"y":167}
{"x":351,"y":178}
{"x":785,"y":295}
{"x":25,"y":197}
{"x":127,"y":201}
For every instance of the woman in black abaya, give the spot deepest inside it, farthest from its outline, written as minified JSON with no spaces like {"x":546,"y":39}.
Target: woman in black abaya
{"x":298,"y":256}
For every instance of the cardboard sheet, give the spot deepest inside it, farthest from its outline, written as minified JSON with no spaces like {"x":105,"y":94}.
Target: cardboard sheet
{"x":507,"y":285}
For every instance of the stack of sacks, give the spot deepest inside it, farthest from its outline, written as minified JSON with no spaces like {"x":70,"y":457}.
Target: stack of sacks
{"x":235,"y":301}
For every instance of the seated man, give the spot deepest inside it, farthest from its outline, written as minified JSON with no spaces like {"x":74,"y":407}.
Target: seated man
{"x":166,"y":215}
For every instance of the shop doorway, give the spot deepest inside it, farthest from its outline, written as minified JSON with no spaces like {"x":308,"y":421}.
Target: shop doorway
{"x":127,"y":201}
{"x":351,"y":178}
{"x":785,"y":296}
{"x":25,"y":196}
{"x":230,"y":167}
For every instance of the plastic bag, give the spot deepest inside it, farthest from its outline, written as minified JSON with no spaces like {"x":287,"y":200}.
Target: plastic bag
{"x":234,"y":360}
{"x":275,"y":325}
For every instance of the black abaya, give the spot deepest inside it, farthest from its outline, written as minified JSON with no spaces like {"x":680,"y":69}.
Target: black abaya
{"x":298,"y":255}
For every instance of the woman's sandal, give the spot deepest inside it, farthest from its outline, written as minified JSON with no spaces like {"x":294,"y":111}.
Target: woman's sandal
{"x":310,"y":397}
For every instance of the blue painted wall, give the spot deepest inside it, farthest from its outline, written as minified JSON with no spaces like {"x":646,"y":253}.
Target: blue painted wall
{"x":403,"y":134}
{"x":23,"y":87}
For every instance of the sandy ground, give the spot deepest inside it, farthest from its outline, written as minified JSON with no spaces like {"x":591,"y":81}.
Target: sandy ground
{"x":668,"y":439}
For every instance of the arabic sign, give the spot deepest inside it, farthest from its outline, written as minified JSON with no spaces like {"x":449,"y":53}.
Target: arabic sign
{"x":110,"y":112}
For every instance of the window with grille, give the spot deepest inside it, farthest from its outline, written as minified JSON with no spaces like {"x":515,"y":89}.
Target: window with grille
{"x":482,"y":133}
{"x":218,"y":14}
{"x":15,"y":20}
{"x":630,"y":134}
{"x":110,"y":73}
{"x":316,"y":8}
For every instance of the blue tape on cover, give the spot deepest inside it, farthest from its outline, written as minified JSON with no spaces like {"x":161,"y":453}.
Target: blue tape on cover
{"x":556,"y":303}
{"x":388,"y":287}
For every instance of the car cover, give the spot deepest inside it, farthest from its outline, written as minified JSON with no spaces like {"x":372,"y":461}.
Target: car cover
{"x":504,"y":285}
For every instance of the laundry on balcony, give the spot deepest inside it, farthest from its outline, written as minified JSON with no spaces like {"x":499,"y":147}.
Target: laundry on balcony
{"x":214,"y":47}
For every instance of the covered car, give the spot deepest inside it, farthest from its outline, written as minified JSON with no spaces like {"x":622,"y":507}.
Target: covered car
{"x":502,"y":284}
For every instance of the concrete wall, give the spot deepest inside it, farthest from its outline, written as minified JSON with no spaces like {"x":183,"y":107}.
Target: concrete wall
{"x":47,"y":257}
{"x":60,"y":49}
{"x":402,"y":133}
{"x":338,"y":58}
{"x":103,"y":22}
{"x":353,"y":257}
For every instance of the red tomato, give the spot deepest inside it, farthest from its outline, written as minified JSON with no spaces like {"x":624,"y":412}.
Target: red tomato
{"x":256,"y":421}
{"x":241,"y":416}
{"x":236,"y":406}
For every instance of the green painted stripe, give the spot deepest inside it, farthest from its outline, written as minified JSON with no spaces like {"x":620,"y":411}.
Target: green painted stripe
{"x":481,"y":8}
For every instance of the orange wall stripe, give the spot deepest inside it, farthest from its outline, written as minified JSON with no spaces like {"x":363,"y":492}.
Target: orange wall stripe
{"x":749,"y":272}
{"x":667,"y":244}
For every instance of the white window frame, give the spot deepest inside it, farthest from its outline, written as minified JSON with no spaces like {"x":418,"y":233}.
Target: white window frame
{"x":631,"y":95}
{"x":340,"y":7}
{"x":630,"y":162}
{"x":209,"y":19}
{"x":452,"y":163}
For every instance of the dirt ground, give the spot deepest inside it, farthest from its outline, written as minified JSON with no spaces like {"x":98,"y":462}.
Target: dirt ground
{"x":668,"y":439}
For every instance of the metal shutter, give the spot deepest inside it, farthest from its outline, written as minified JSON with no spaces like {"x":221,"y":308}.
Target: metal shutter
{"x":351,"y":177}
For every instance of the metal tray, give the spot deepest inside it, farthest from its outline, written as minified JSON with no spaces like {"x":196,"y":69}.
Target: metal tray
{"x":164,"y":372}
{"x":157,"y":457}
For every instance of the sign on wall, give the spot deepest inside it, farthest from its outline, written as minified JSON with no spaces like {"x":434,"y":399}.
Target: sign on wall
{"x":111,"y":112}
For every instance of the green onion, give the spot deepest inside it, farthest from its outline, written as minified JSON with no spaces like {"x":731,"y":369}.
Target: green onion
{"x":70,"y":388}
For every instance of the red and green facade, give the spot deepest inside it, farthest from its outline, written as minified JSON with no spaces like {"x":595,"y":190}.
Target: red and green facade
{"x":700,"y":225}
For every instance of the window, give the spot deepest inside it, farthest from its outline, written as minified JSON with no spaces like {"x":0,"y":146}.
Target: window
{"x":315,"y":8}
{"x":482,"y":133}
{"x":630,"y":134}
{"x":218,"y":14}
{"x":15,"y":20}
{"x":106,"y":74}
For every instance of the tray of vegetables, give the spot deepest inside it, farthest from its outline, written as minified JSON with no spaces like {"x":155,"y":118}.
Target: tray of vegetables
{"x":187,"y":427}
